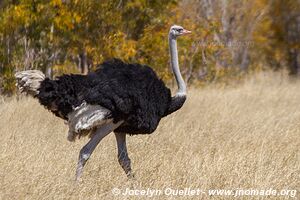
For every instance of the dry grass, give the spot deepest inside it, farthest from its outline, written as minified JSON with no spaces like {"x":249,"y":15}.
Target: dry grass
{"x":243,"y":137}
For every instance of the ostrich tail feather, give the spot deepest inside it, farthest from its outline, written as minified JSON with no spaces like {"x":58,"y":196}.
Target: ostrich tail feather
{"x":29,"y":81}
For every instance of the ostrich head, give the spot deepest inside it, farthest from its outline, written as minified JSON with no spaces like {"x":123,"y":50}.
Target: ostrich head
{"x":176,"y":31}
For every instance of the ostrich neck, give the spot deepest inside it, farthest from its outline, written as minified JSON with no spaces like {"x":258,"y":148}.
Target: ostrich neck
{"x":175,"y":67}
{"x":180,"y":96}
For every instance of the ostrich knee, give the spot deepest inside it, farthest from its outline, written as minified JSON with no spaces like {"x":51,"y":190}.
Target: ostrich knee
{"x":84,"y":155}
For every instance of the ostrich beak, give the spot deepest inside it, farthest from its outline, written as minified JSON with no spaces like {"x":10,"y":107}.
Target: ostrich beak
{"x":184,"y":32}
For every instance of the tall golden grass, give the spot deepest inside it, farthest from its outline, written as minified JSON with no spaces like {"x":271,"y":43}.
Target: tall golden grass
{"x":245,"y":137}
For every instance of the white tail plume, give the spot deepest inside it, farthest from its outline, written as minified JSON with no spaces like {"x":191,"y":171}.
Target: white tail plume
{"x":29,"y":81}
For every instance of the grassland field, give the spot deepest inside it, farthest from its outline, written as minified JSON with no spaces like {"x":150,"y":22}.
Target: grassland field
{"x":245,"y":136}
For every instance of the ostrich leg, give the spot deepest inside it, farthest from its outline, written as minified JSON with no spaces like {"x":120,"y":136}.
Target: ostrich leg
{"x":123,"y":155}
{"x":88,"y":149}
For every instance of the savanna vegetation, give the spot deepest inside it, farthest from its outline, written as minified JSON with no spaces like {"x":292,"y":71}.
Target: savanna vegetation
{"x":230,"y":38}
{"x":245,"y":137}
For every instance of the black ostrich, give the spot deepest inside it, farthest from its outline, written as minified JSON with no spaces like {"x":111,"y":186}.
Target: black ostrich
{"x":120,"y":97}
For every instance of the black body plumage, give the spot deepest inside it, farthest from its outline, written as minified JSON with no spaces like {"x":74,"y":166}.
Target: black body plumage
{"x":132,"y":92}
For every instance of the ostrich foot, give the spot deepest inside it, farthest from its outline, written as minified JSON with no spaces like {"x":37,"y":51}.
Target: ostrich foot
{"x":130,"y":175}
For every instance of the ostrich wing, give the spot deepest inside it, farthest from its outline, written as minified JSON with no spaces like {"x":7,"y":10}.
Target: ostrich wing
{"x":85,"y":118}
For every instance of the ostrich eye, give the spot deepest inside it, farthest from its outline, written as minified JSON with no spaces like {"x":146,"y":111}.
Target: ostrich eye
{"x":178,"y":30}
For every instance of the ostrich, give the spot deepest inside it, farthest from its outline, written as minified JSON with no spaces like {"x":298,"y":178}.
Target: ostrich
{"x":119,"y":97}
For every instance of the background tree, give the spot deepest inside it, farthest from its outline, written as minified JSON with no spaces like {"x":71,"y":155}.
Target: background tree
{"x":230,"y":38}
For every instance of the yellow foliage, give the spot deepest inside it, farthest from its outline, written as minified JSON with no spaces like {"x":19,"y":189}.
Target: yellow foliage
{"x":66,"y":68}
{"x":56,"y":3}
